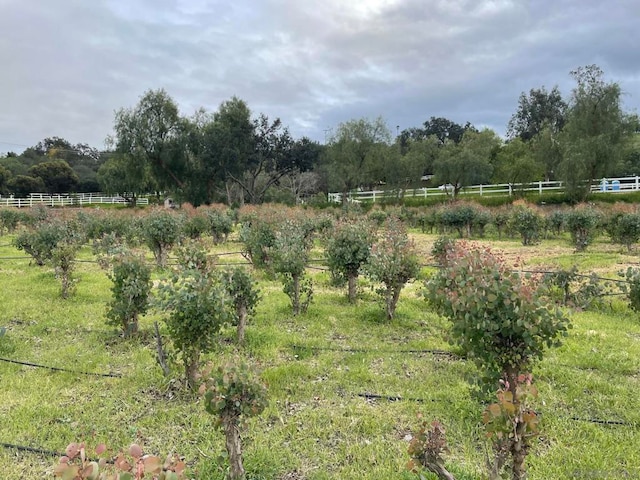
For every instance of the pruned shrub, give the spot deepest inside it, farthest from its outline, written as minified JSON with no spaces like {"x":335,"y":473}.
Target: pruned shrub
{"x":219,"y":223}
{"x":624,"y":229}
{"x":582,"y":224}
{"x":290,"y":252}
{"x":527,"y":222}
{"x":347,"y":249}
{"x":161,"y":230}
{"x":196,"y":307}
{"x":498,"y":317}
{"x":232,"y":393}
{"x":245,"y":295}
{"x":393,"y":261}
{"x":131,"y":277}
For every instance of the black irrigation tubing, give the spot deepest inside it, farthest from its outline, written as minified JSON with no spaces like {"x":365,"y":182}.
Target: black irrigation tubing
{"x":23,"y":448}
{"x":444,"y":353}
{"x":395,"y":398}
{"x":60,"y":369}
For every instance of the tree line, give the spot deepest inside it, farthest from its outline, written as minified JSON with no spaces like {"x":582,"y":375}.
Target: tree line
{"x":231,"y":156}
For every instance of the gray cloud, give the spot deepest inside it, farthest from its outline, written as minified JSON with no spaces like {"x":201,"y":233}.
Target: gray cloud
{"x":68,"y":65}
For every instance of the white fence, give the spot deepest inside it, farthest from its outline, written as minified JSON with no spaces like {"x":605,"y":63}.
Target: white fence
{"x":78,"y":199}
{"x":621,"y":184}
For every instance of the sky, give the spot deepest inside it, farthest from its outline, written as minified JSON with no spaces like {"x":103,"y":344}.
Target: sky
{"x":66,"y":66}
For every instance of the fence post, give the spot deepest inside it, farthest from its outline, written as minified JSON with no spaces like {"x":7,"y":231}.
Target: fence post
{"x":374,"y":196}
{"x":480,"y":190}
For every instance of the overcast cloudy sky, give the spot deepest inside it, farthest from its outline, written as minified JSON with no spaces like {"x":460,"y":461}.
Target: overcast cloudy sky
{"x":67,"y":65}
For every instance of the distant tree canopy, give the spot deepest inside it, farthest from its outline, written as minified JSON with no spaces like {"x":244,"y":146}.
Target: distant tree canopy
{"x":230,"y":155}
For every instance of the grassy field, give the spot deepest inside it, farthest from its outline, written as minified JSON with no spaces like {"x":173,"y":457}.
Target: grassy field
{"x":330,"y":374}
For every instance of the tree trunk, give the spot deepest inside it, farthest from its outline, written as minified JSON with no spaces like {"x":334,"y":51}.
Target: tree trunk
{"x":519,"y":447}
{"x":131,"y":326}
{"x":353,"y":279}
{"x":393,"y":294}
{"x":241,"y":311}
{"x":191,"y":363}
{"x":438,"y":468}
{"x":296,"y":294}
{"x":234,"y":448}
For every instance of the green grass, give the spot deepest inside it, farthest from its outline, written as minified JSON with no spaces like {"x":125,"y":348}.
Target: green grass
{"x":318,"y":365}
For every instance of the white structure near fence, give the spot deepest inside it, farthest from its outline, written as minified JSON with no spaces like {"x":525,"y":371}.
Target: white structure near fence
{"x":63,"y":200}
{"x":621,"y":184}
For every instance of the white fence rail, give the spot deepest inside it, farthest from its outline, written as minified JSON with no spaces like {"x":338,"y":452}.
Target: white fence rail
{"x":620,"y":184}
{"x":79,"y":199}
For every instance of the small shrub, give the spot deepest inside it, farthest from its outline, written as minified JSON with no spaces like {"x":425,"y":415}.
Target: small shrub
{"x":245,"y":295}
{"x":347,"y":248}
{"x":393,"y":262}
{"x":196,"y":305}
{"x":632,"y":287}
{"x":527,"y":222}
{"x":131,"y":288}
{"x":233,"y":393}
{"x":194,"y":226}
{"x":161,"y":231}
{"x":624,"y":229}
{"x":557,"y":222}
{"x":220,"y":224}
{"x":290,"y":251}
{"x":582,"y":223}
{"x":498,"y":318}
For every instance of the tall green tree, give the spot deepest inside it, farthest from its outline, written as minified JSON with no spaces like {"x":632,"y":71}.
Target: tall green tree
{"x":536,"y":111}
{"x":153,"y":134}
{"x":595,"y":133}
{"x":120,"y":175}
{"x":515,"y":163}
{"x":57,"y":176}
{"x":468,"y":162}
{"x":354,"y":153}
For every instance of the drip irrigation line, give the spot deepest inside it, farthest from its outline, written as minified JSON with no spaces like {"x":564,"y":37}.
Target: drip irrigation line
{"x":23,"y":448}
{"x":60,"y":369}
{"x":604,"y":422}
{"x":443,"y":353}
{"x":390,"y":398}
{"x":226,"y":253}
{"x":394,"y":398}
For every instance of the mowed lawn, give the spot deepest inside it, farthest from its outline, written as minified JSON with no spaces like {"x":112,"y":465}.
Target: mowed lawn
{"x":345,"y":386}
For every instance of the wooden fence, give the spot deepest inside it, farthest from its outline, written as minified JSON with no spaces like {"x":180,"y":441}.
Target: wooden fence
{"x":619,"y":184}
{"x":77,"y":200}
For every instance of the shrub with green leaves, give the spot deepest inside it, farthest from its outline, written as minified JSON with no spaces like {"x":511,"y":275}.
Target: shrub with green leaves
{"x":40,"y":242}
{"x":528,"y":223}
{"x":393,"y":261}
{"x":131,"y":277}
{"x":290,"y":254}
{"x":498,"y":317}
{"x":232,"y":393}
{"x":194,"y":226}
{"x":632,"y":287}
{"x":258,"y":236}
{"x":196,"y":305}
{"x":10,"y":218}
{"x":347,"y":249}
{"x":219,"y":223}
{"x":245,"y":295}
{"x":458,"y":216}
{"x":161,"y":230}
{"x":557,"y":222}
{"x":624,"y":229}
{"x":582,"y":224}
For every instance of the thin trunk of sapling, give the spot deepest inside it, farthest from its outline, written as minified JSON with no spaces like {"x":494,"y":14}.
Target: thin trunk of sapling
{"x":234,"y":448}
{"x":241,"y":311}
{"x":296,"y":294}
{"x":352,"y":279}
